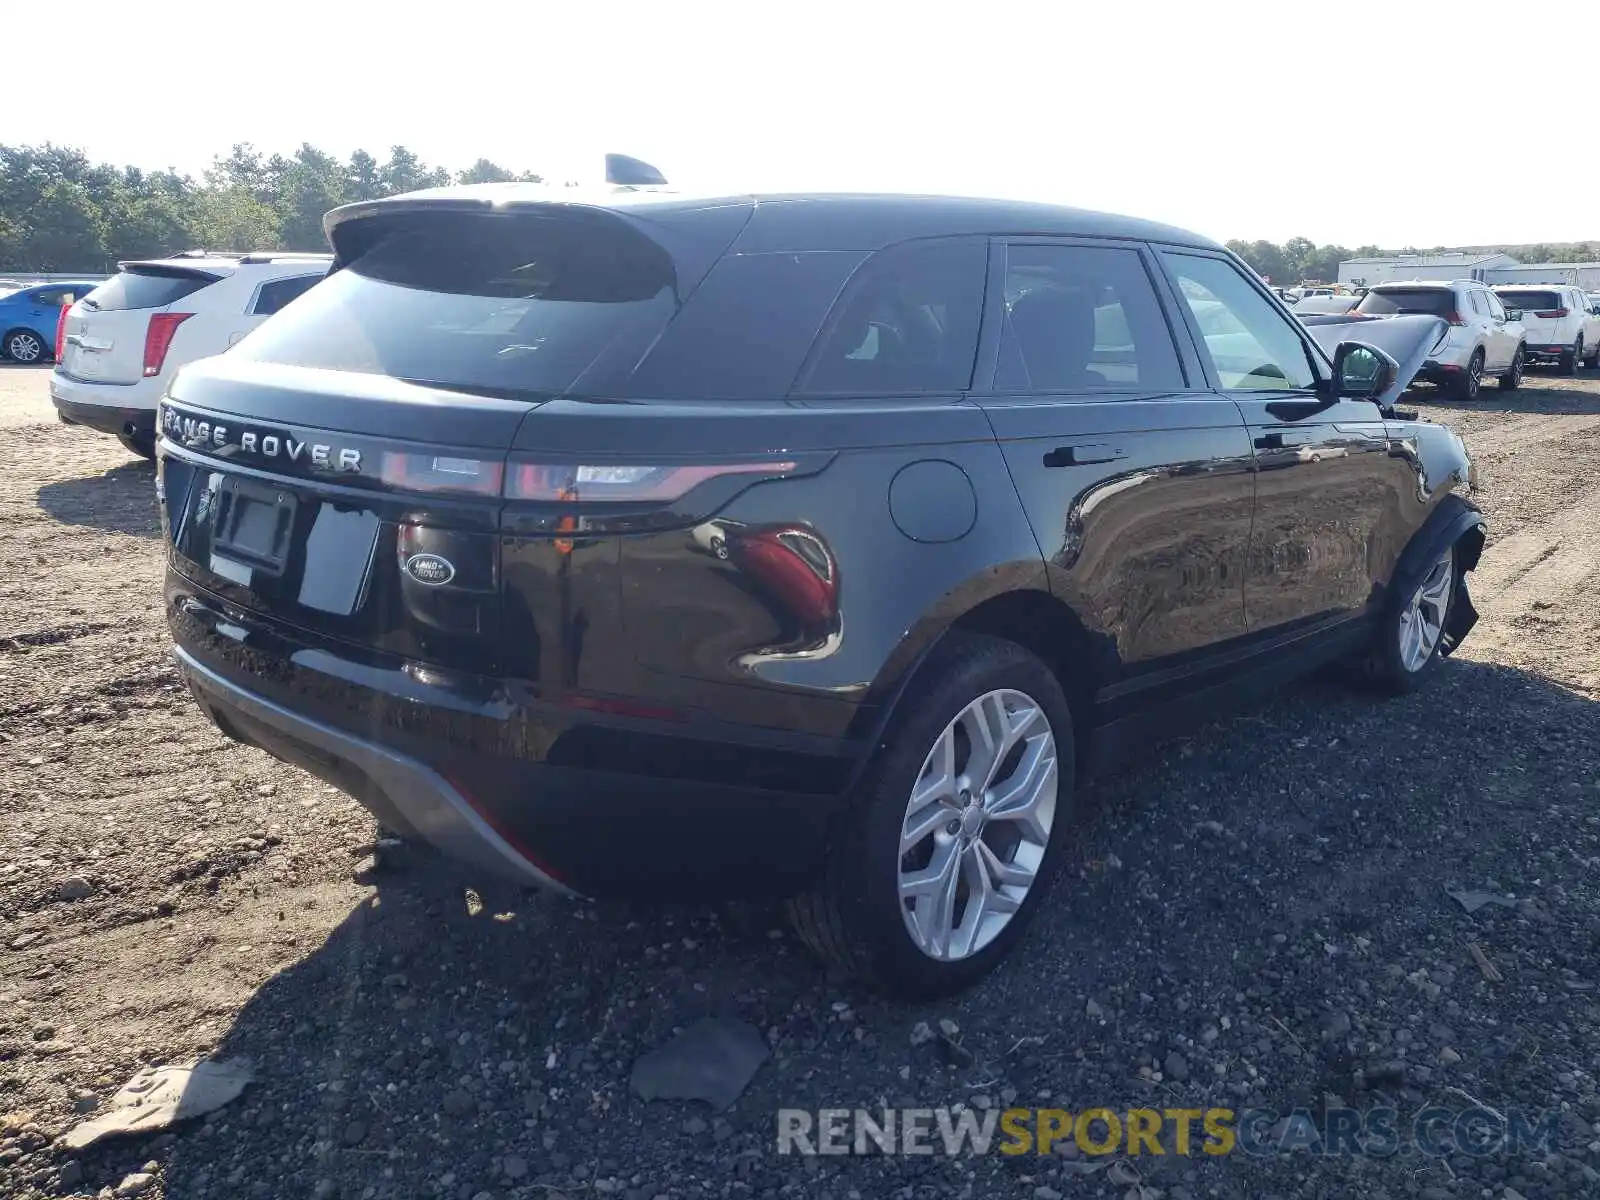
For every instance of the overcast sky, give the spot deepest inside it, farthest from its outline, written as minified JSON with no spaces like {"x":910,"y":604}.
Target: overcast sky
{"x":1340,"y":120}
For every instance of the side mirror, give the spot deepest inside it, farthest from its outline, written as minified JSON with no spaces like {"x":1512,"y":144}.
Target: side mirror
{"x":1361,"y":371}
{"x":1513,"y":314}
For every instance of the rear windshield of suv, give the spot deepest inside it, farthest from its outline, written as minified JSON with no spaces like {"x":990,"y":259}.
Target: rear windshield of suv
{"x":145,"y":287}
{"x":1529,"y":301}
{"x":1437,"y":302}
{"x":505,"y":305}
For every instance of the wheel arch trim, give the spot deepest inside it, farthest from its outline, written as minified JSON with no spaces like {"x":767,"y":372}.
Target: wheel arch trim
{"x":1455,"y":522}
{"x":1024,"y":583}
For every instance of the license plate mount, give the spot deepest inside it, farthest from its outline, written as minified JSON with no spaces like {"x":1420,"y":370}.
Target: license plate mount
{"x":254,"y":525}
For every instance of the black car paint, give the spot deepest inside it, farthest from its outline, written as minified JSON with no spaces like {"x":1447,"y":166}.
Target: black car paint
{"x":640,"y":714}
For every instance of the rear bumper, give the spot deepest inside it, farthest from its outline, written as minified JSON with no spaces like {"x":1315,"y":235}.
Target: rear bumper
{"x":405,"y":794}
{"x":1433,"y":371}
{"x":1547,"y":352}
{"x":529,"y":788}
{"x":108,"y":407}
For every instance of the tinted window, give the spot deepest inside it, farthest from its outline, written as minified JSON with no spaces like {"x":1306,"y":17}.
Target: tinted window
{"x":908,"y":323}
{"x":49,"y":298}
{"x":1251,"y":343}
{"x":744,"y":332}
{"x":1528,"y":301}
{"x":270,"y":297}
{"x":144,"y":287}
{"x":501,"y":304}
{"x":1082,"y":319}
{"x":1494,"y":307}
{"x":1437,"y":302}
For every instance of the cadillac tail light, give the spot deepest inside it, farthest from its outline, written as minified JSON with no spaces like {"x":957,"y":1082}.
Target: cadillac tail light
{"x":158,"y":340}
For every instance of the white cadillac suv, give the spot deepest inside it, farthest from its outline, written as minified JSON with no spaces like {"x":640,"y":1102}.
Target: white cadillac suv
{"x":118,"y":347}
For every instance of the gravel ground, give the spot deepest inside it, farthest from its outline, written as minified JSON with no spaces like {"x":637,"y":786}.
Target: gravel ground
{"x":1257,"y":916}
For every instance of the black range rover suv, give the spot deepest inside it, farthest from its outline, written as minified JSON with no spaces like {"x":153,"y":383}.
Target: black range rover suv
{"x":803,"y":544}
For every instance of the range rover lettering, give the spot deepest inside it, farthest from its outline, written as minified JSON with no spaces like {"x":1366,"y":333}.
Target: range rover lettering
{"x":642,"y":544}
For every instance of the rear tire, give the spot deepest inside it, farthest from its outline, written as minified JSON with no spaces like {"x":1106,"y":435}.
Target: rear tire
{"x":141,"y":444}
{"x":1404,"y":650}
{"x":1471,"y":381}
{"x":1512,"y":379}
{"x":24,"y":346}
{"x":991,"y":824}
{"x":1569,"y":360}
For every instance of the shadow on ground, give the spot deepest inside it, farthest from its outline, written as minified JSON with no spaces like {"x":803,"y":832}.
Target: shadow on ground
{"x":1275,"y":864}
{"x":123,"y":500}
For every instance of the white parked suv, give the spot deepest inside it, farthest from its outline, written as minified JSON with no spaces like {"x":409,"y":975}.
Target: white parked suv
{"x":1480,"y":340}
{"x":118,"y":347}
{"x":1560,"y":321}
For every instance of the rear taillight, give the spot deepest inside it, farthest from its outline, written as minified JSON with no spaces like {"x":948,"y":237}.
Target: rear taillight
{"x":1554,"y":314}
{"x":158,"y":340}
{"x":636,"y":484}
{"x":559,"y":483}
{"x":437,"y":473}
{"x":61,"y":331}
{"x":1454,"y":317}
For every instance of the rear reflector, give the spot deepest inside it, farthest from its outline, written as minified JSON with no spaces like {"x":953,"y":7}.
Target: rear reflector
{"x":61,"y":331}
{"x":580,"y":484}
{"x":1554,"y":314}
{"x":158,"y":340}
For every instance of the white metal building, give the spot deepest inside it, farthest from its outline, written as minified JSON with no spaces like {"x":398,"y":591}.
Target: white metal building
{"x":1364,"y":272}
{"x":1585,"y":275}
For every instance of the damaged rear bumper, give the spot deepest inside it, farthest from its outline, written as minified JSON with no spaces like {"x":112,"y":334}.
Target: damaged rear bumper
{"x":404,"y":794}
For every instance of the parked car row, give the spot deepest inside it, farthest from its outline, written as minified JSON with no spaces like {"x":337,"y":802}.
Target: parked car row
{"x":1490,"y":332}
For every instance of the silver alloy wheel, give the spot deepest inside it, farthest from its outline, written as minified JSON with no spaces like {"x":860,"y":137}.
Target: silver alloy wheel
{"x":1422,"y":619}
{"x":24,"y":347}
{"x":1474,"y":376}
{"x":977,"y":824}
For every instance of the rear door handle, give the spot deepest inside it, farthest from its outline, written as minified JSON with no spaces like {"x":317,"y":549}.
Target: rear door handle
{"x":1083,"y":454}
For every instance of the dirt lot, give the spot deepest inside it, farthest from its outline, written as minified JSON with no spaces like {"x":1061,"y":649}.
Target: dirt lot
{"x":1257,"y":917}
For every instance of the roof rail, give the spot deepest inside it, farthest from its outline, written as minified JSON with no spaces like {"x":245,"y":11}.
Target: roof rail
{"x":197,"y":253}
{"x":268,"y":256}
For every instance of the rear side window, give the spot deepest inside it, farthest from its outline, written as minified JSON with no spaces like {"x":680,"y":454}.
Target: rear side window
{"x":744,"y":333}
{"x":273,"y":295}
{"x":906,"y":325}
{"x":143,"y":287}
{"x":508,"y":305}
{"x":1436,"y":302}
{"x":1529,"y":301}
{"x":1082,"y":319}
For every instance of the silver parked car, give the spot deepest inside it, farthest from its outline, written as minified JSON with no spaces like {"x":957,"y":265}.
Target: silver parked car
{"x":1481,"y":339}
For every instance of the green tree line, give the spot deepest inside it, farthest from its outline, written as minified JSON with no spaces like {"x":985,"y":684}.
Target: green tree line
{"x":1301,"y":259}
{"x":61,"y":212}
